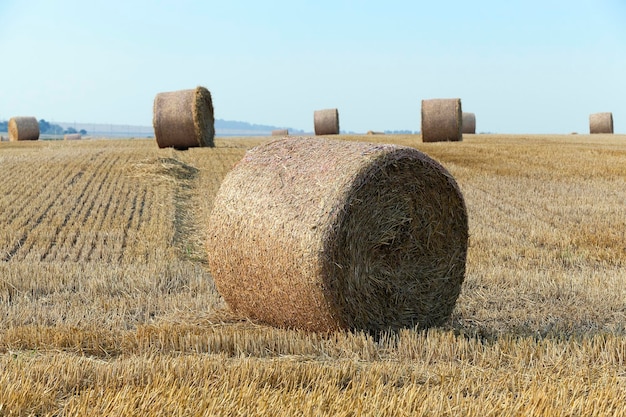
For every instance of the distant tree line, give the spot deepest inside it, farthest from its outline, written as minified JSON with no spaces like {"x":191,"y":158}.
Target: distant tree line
{"x":400,"y":132}
{"x":54,"y":129}
{"x":47,"y":128}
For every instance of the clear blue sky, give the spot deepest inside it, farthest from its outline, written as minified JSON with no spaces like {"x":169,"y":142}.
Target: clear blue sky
{"x":523,"y":66}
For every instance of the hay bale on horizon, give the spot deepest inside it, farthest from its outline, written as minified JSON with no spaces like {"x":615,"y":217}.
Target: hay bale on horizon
{"x":442,"y":120}
{"x":601,"y":123}
{"x":280,"y":132}
{"x":72,"y":136}
{"x":469,"y":123}
{"x":23,"y":128}
{"x":321,"y":234}
{"x":184,"y":119}
{"x":326,"y":122}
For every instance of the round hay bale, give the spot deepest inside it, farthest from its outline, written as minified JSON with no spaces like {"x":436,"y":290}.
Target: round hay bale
{"x":601,"y":123}
{"x":280,"y":132}
{"x":469,"y":123}
{"x":442,"y":120}
{"x":23,"y":128}
{"x":184,"y":119}
{"x":326,"y":122}
{"x":72,"y":136}
{"x":322,"y":234}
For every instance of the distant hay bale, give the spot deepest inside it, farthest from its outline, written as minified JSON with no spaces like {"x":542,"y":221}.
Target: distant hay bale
{"x":371,"y":132}
{"x":72,"y":136}
{"x":326,"y":122}
{"x":184,"y":119}
{"x":280,"y":132}
{"x":23,"y":128}
{"x":601,"y":123}
{"x":321,"y":234}
{"x":469,"y":123}
{"x":442,"y":120}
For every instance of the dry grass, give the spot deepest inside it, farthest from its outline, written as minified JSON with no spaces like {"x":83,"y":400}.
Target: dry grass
{"x":108,"y":308}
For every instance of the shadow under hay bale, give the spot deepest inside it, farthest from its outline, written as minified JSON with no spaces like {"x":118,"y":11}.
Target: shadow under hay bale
{"x":280,"y":132}
{"x":322,"y":234}
{"x":601,"y":123}
{"x":469,"y":123}
{"x":326,"y":122}
{"x":23,"y":128}
{"x":442,"y":120}
{"x":184,"y":119}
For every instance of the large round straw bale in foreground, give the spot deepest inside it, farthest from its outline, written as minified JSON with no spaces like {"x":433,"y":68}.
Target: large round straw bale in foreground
{"x":442,"y":120}
{"x":601,"y":123}
{"x":184,"y":119}
{"x":321,"y":235}
{"x":469,"y":123}
{"x":280,"y":132}
{"x":23,"y":128}
{"x":326,"y":122}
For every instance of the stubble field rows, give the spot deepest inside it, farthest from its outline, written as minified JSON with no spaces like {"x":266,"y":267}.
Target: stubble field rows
{"x":107,"y":305}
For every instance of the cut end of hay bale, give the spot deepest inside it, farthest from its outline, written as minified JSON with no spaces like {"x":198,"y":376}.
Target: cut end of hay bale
{"x":322,"y":235}
{"x":23,"y":128}
{"x":280,"y":132}
{"x":442,"y":120}
{"x":184,"y":119}
{"x":601,"y":123}
{"x":326,"y":122}
{"x":469,"y":123}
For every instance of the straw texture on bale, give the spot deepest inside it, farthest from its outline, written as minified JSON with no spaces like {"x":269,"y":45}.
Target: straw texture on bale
{"x":601,"y":123}
{"x":442,"y":120}
{"x":326,"y":122}
{"x":72,"y":136}
{"x":469,"y":123}
{"x":280,"y":132}
{"x":184,"y":119}
{"x":23,"y":128}
{"x":321,"y":235}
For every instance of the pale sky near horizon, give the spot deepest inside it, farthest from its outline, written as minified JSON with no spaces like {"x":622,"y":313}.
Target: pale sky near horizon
{"x":522,"y":66}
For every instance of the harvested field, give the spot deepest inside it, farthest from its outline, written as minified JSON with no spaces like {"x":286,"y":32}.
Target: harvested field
{"x":108,"y":307}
